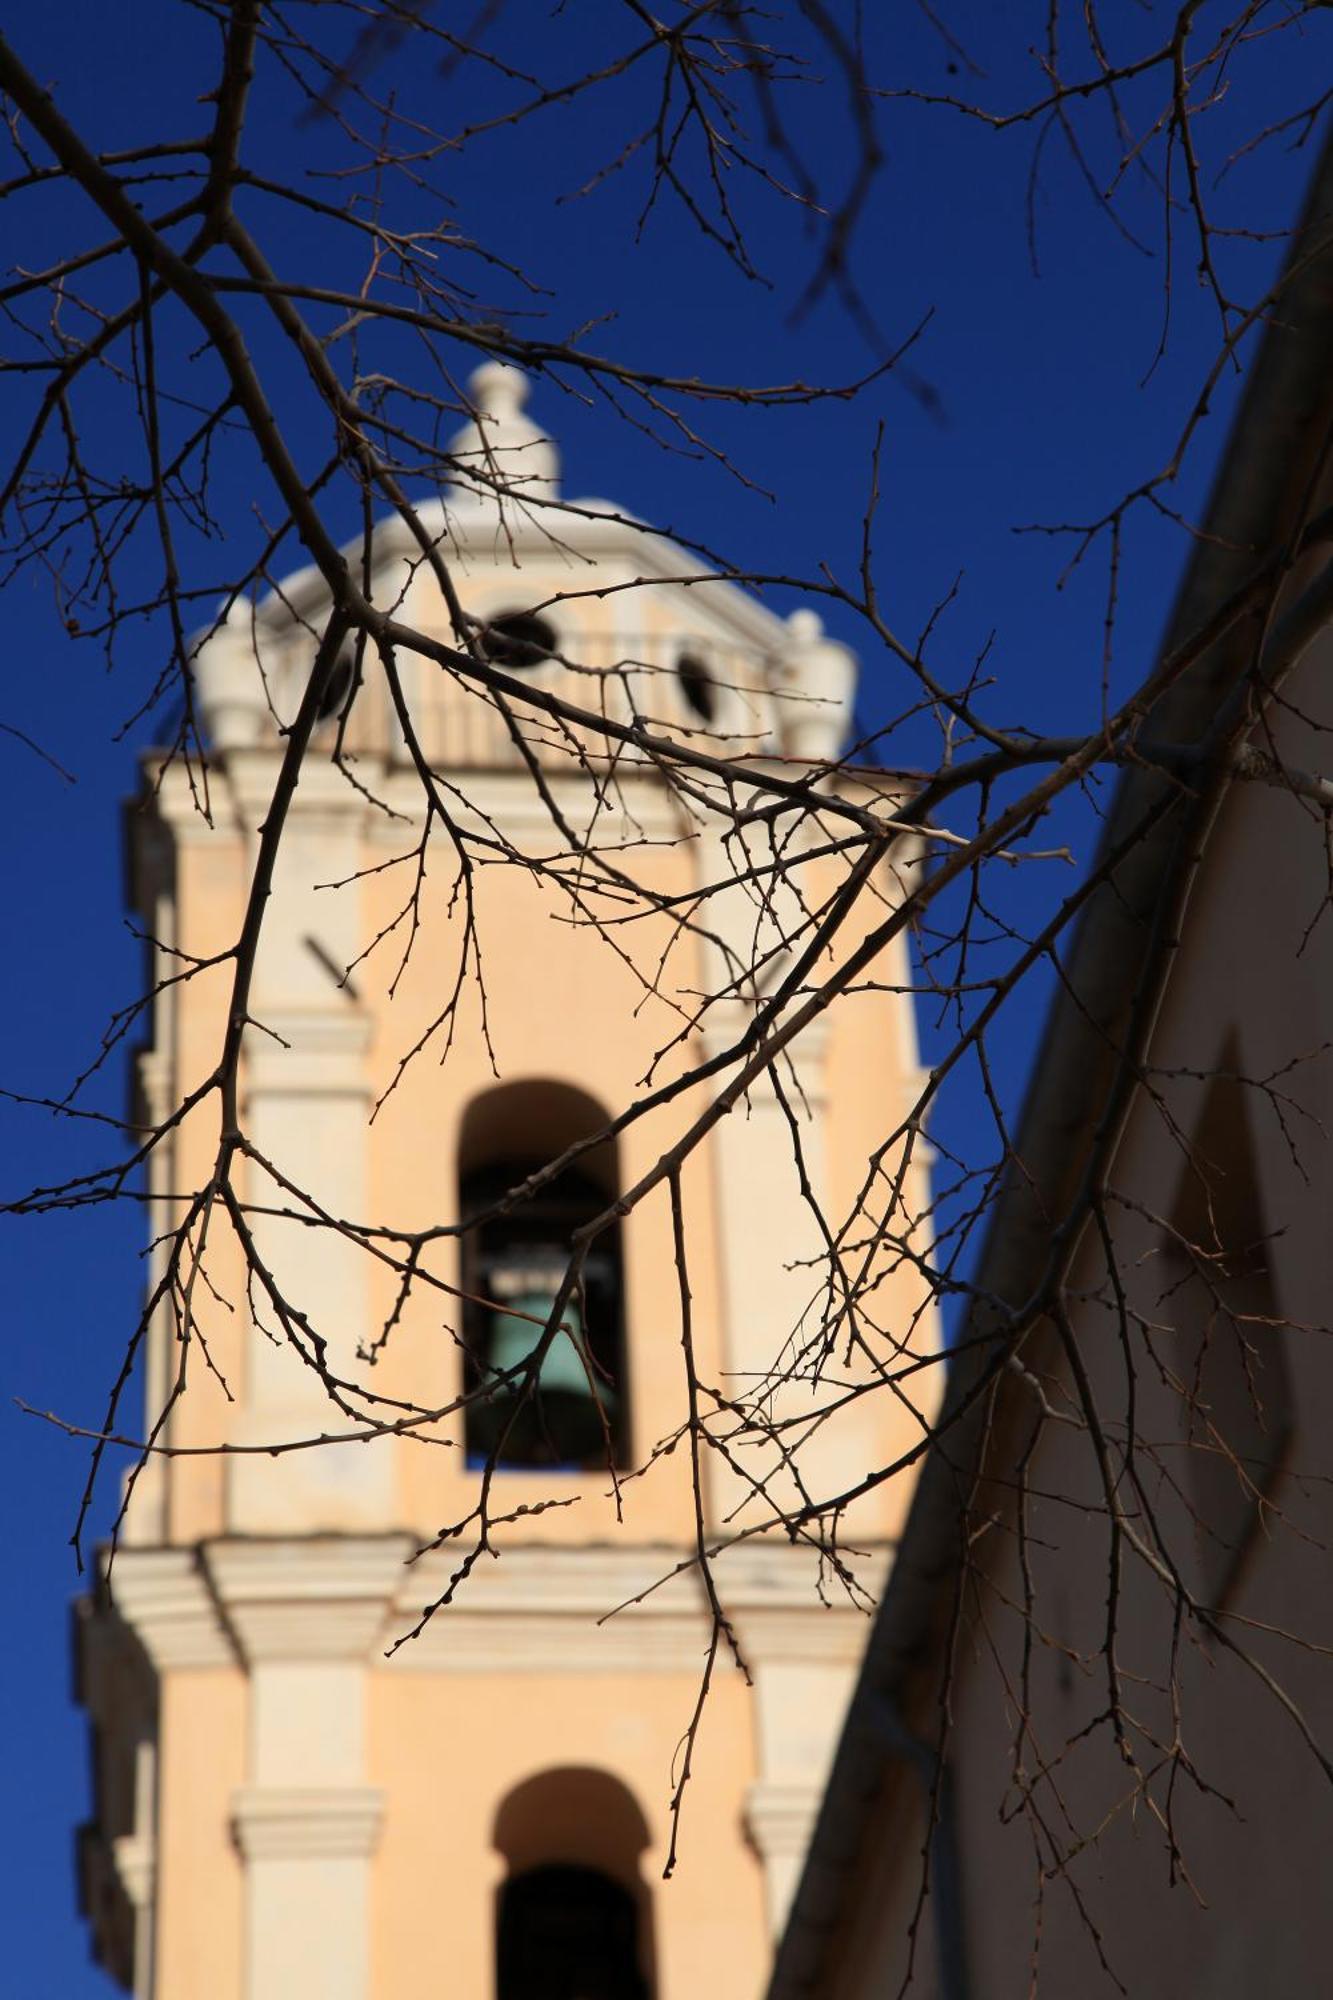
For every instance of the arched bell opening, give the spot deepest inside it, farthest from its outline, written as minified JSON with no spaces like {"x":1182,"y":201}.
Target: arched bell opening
{"x":515,"y":1251}
{"x":573,"y":1915}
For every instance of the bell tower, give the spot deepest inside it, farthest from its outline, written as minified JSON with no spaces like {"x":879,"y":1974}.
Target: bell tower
{"x":375,"y":1404}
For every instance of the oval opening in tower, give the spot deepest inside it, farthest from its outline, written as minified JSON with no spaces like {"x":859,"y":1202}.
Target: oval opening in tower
{"x":697,"y":686}
{"x":517,"y":640}
{"x":338,"y":685}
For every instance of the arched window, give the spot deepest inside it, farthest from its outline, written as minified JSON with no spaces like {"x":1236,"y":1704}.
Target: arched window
{"x":515,"y":1252}
{"x":574,"y":1916}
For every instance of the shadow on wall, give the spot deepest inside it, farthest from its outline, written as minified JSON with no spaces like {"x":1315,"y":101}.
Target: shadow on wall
{"x":1224,"y":1341}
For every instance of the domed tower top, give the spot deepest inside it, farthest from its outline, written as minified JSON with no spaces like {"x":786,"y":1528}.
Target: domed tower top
{"x":500,"y":451}
{"x":581,"y":602}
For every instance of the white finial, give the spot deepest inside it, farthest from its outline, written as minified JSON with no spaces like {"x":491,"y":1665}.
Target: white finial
{"x":228,"y":683}
{"x":501,"y":452}
{"x":818,"y":676}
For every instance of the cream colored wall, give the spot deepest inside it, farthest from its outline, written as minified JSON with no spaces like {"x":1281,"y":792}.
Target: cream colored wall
{"x":1257,"y":1919}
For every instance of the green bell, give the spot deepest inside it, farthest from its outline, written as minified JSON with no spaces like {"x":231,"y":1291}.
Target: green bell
{"x":513,"y":1338}
{"x":560,"y":1423}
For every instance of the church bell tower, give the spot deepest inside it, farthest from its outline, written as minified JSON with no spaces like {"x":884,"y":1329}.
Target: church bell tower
{"x":294,"y":1797}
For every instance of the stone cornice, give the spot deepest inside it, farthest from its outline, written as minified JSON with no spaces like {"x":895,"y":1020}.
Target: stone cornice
{"x":810,"y":1632}
{"x":650,"y":810}
{"x":178,"y":800}
{"x":155,"y":1072}
{"x":574,"y":1609}
{"x":325,"y":1598}
{"x":779,"y":1817}
{"x":783,"y":1608}
{"x":312,"y":1051}
{"x":323,"y":793}
{"x":241,"y":787}
{"x":307,"y":1822}
{"x":462,"y":1641}
{"x":350,"y":1596}
{"x":774,"y":1575}
{"x":163,"y":1596}
{"x":135,"y":1863}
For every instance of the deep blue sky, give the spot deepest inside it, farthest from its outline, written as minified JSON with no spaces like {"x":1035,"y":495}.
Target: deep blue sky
{"x":1042,"y":418}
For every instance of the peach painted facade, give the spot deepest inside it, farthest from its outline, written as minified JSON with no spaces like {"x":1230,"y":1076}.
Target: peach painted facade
{"x":287,"y":1805}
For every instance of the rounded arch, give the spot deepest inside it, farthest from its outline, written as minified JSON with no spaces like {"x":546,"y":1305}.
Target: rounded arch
{"x":574,"y":1917}
{"x":514,"y":1255}
{"x":536,"y":1119}
{"x":575,"y":1813}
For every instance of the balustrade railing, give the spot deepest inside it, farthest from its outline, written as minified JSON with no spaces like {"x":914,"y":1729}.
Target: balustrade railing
{"x":720,"y":696}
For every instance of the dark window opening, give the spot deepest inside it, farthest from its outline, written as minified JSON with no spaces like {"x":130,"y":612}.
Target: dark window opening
{"x":337,"y":687}
{"x":567,"y":1934}
{"x":697,"y":686}
{"x":513,"y":1265}
{"x":517,"y":639}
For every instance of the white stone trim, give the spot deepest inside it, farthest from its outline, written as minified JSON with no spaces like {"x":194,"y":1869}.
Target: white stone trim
{"x":135,"y":1863}
{"x":815,"y":1633}
{"x":462,"y":1642}
{"x":320,"y":1051}
{"x":562,"y":1606}
{"x":163,"y":1596}
{"x":326,"y":1598}
{"x":324,"y":794}
{"x":774,"y":1574}
{"x":177,"y":801}
{"x":154,"y":1070}
{"x":640,"y":808}
{"x":780,"y":1818}
{"x":307,"y":1822}
{"x":541,"y":1577}
{"x":593,"y":528}
{"x":349,"y":1597}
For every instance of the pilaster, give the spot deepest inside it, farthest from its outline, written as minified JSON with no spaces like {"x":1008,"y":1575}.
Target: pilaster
{"x":770,"y":1245}
{"x":307,"y":1108}
{"x":803,"y":1656}
{"x":780,"y":1819}
{"x":134,"y":1857}
{"x":309,"y":1619}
